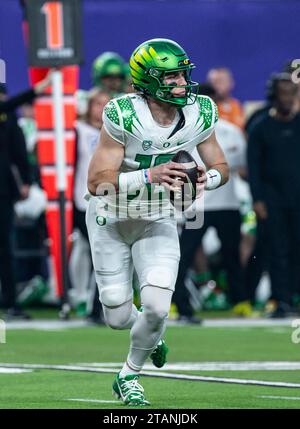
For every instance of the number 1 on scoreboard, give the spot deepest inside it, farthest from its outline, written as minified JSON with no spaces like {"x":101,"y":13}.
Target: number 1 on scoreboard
{"x":54,"y":24}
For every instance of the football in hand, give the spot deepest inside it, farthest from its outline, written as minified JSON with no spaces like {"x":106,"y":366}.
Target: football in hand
{"x":186,"y":194}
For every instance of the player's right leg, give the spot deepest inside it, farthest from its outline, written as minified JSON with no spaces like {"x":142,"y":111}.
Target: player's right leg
{"x":113,"y":268}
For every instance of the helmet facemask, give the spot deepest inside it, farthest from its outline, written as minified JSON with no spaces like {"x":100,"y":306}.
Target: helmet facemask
{"x":164,"y":91}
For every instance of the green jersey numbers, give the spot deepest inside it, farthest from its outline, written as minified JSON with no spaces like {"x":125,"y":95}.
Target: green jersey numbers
{"x":147,"y":161}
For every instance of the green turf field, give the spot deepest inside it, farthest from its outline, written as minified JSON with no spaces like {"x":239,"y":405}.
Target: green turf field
{"x":52,"y":388}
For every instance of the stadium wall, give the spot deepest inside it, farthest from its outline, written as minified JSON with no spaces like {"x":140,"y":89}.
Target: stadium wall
{"x":252,"y":37}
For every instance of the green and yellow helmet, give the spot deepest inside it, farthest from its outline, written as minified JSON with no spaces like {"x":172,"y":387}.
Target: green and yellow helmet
{"x":107,"y":64}
{"x":150,"y":62}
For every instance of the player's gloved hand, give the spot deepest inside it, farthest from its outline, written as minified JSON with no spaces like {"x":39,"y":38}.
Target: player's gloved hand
{"x":168,"y":175}
{"x":201,"y":181}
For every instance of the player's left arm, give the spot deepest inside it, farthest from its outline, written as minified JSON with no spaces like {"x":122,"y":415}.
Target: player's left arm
{"x":217,"y":169}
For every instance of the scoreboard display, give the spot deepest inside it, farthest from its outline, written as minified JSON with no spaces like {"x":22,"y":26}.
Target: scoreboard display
{"x":54,"y":32}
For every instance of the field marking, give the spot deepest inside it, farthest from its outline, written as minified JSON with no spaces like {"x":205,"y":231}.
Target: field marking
{"x":14,"y":370}
{"x":57,"y":325}
{"x":240,"y":323}
{"x":209,"y":366}
{"x":222,"y":380}
{"x":98,"y":401}
{"x":291,"y":398}
{"x":47,"y":325}
{"x":157,"y":374}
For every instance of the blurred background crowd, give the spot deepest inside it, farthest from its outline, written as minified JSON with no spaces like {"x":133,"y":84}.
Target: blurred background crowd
{"x":245,"y":260}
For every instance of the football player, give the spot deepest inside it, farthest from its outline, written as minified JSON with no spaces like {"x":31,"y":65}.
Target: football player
{"x":140,"y":135}
{"x":109,"y":73}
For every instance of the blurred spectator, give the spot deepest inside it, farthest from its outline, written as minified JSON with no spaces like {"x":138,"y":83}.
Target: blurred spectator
{"x":264,"y":109}
{"x":273,"y":154}
{"x":31,"y":230}
{"x":28,"y":125}
{"x":10,"y":104}
{"x":14,"y":184}
{"x":221,"y":211}
{"x":81,"y":97}
{"x":29,"y":128}
{"x":109,"y":73}
{"x":258,"y":261}
{"x":229,"y":108}
{"x":88,"y":131}
{"x":15,"y":180}
{"x":293,"y":67}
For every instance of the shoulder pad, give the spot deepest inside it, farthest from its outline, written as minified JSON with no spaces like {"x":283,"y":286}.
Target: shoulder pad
{"x":128,"y":112}
{"x":111,"y":112}
{"x":208,"y":111}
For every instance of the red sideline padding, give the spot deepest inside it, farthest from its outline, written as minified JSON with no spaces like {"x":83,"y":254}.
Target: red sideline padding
{"x":70,"y":78}
{"x":48,"y":178}
{"x":44,"y":115}
{"x":47,"y":157}
{"x":53,"y":221}
{"x":46,"y":147}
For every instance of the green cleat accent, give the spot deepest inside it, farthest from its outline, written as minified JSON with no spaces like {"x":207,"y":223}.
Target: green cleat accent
{"x":129,"y":390}
{"x":159,"y":354}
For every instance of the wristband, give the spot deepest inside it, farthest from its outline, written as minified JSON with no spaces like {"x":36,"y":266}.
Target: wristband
{"x":133,"y":181}
{"x":147,"y":176}
{"x":214,"y":179}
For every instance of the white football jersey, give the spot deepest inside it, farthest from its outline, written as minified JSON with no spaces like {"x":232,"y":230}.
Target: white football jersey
{"x":129,"y":121}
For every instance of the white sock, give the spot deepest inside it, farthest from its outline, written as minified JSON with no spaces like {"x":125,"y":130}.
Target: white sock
{"x":126,"y":370}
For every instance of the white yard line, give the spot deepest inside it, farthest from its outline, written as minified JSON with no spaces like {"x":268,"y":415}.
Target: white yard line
{"x":290,"y":398}
{"x":98,"y":401}
{"x":43,"y":324}
{"x":221,"y":379}
{"x":252,"y":323}
{"x":13,"y":370}
{"x":209,"y":366}
{"x":171,"y":376}
{"x":46,"y":325}
{"x":60,"y":367}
